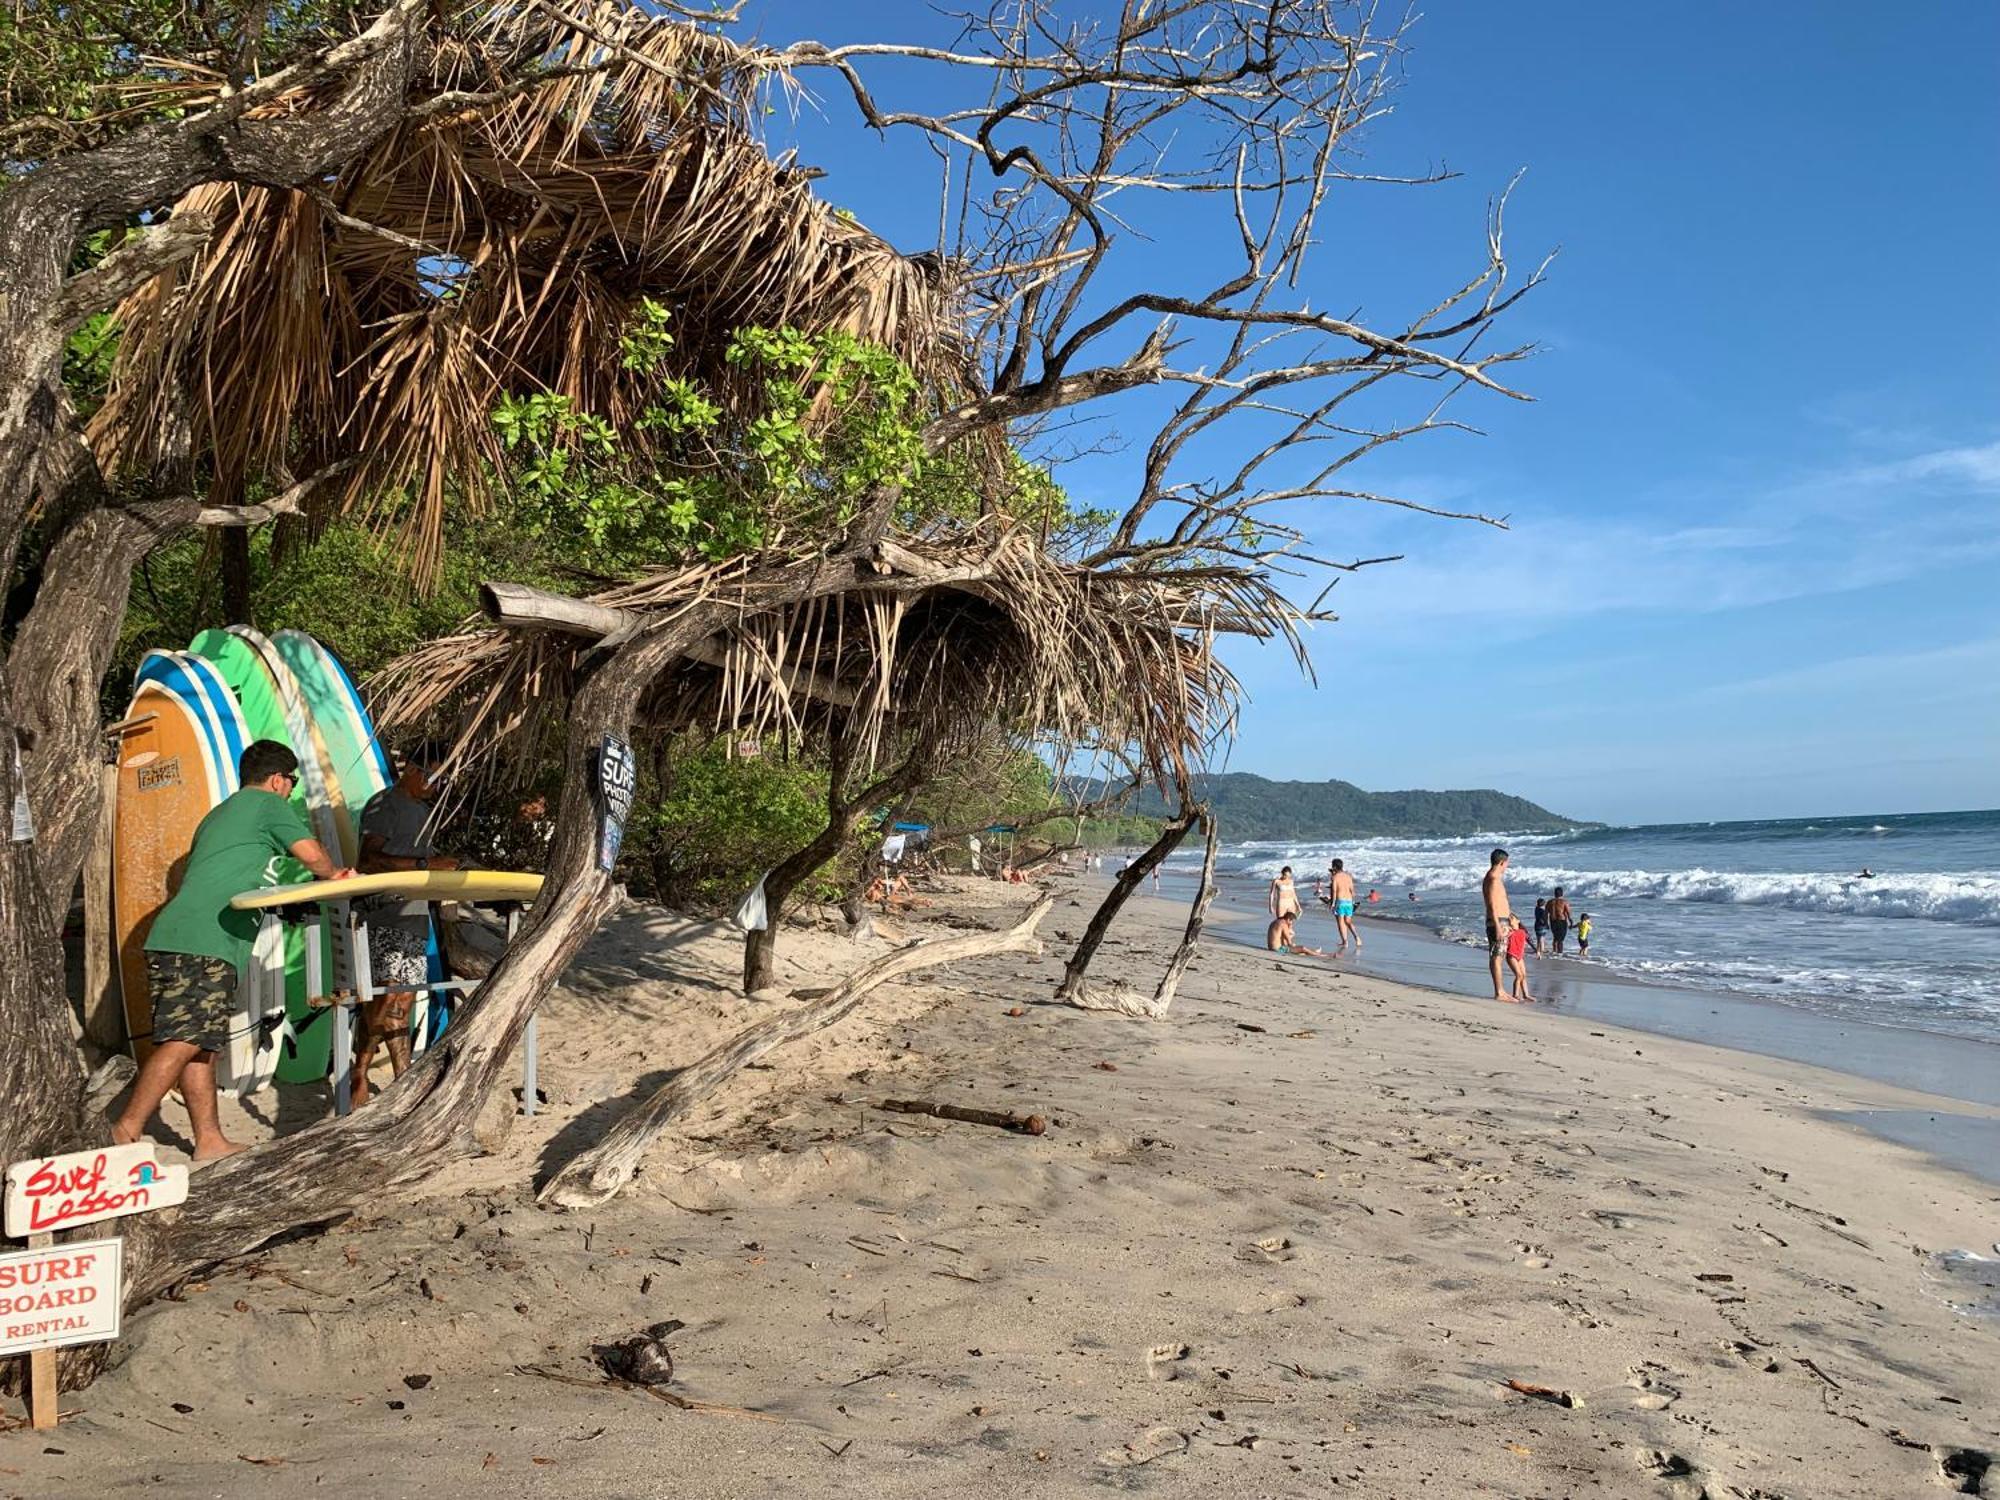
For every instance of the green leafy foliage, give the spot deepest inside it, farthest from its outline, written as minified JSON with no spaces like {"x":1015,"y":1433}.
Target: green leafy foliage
{"x":699,"y":476}
{"x":818,"y":422}
{"x":73,"y":72}
{"x":707,"y":823}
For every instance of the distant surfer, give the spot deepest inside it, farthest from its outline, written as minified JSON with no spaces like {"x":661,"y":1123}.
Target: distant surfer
{"x":1865,"y":874}
{"x":198,"y":943}
{"x":1341,"y":892}
{"x":1498,"y":917}
{"x":396,"y":837}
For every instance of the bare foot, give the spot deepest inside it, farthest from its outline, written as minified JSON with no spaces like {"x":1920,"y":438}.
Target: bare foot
{"x":123,"y":1134}
{"x":215,"y":1150}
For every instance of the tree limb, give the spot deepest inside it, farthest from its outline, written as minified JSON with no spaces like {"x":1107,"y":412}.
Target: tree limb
{"x":594,"y":1176}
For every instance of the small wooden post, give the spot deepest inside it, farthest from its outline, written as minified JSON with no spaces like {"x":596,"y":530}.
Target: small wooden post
{"x":103,"y":1004}
{"x":41,"y":1366}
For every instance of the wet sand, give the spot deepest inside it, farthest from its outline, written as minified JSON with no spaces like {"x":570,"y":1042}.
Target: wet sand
{"x":1313,"y":1233}
{"x":1949,"y":1067}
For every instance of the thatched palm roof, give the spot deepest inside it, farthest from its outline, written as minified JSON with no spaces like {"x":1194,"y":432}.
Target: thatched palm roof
{"x":940,"y":637}
{"x":494,"y":250}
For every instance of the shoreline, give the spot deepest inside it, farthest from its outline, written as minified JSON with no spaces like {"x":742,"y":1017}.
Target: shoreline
{"x":1311,"y":1233}
{"x":1948,"y":1068}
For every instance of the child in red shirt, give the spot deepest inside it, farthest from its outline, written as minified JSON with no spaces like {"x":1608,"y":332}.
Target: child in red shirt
{"x":1517,"y":958}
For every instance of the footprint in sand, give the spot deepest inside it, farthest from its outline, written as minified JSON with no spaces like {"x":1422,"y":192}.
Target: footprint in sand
{"x":1750,"y":1354}
{"x":1156,"y":1442}
{"x":1534,"y":1257}
{"x":1274,"y":1248}
{"x":1163,"y":1361}
{"x":1654,"y":1393}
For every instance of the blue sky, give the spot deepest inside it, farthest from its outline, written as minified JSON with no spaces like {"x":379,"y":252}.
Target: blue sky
{"x":1753,"y":567}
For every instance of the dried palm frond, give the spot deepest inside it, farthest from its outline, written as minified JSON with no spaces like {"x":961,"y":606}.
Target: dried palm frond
{"x":383,"y":312}
{"x":980,"y":629}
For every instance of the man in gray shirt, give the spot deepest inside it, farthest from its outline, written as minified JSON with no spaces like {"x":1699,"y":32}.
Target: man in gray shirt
{"x":396,"y":836}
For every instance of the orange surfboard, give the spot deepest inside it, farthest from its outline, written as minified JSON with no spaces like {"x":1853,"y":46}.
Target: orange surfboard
{"x":176,"y":760}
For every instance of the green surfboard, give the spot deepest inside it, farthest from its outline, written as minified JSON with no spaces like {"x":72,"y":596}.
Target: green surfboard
{"x":272,"y":710}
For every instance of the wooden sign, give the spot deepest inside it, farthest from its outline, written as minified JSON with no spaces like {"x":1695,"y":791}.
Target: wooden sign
{"x":61,"y":1294}
{"x":48,"y":1193}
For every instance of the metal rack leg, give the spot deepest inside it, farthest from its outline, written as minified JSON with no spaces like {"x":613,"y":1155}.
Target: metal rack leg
{"x":343,"y":1023}
{"x":528,"y":1039}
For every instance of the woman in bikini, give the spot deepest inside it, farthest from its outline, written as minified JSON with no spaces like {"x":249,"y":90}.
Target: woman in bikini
{"x":1283,"y":901}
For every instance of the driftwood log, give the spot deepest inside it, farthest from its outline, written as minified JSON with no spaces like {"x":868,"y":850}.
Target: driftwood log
{"x":594,"y":1176}
{"x":999,"y":1119}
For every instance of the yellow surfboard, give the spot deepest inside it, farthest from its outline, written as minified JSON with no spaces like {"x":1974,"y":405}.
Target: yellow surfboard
{"x":473,"y":886}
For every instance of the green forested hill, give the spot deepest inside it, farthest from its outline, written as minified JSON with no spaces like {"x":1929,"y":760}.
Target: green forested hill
{"x":1254,"y":807}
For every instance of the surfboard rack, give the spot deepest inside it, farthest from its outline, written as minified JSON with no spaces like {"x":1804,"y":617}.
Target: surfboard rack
{"x":362,"y":988}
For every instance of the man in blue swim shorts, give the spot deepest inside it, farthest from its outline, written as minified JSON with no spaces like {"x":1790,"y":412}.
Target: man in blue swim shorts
{"x":1341,"y":895}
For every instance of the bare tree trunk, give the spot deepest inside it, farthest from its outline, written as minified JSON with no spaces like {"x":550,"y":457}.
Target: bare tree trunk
{"x":1128,"y":881}
{"x":1197,"y":914}
{"x":594,"y":1176}
{"x":844,"y":814}
{"x":233,"y":549}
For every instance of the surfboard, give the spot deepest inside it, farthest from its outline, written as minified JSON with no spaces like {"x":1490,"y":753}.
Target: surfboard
{"x":177,"y":759}
{"x":285,"y":1038}
{"x":358,"y":763}
{"x":361,"y":768}
{"x":472,"y":886}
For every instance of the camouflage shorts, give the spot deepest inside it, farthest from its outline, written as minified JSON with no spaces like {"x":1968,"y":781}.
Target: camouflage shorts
{"x":194,"y":999}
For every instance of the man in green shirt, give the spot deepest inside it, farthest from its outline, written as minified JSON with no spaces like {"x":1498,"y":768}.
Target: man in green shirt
{"x":198,"y":943}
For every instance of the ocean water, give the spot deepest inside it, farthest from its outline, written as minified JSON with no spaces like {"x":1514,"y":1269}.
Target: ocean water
{"x":1773,"y":909}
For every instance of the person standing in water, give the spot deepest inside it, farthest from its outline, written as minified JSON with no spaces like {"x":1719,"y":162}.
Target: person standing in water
{"x":1499,"y":915}
{"x":1342,"y":893}
{"x":1517,"y":960}
{"x":1558,"y":918}
{"x":1283,"y":902}
{"x":1583,"y":936}
{"x":1541,"y":924}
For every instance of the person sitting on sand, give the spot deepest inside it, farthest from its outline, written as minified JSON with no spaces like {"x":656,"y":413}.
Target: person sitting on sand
{"x":1517,"y":960}
{"x":198,"y":943}
{"x":1493,"y":890}
{"x":1282,"y":900}
{"x":1278,"y":938}
{"x":1583,"y":936}
{"x":1541,"y":925}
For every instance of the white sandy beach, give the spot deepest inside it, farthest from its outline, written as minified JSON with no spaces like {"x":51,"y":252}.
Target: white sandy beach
{"x":1295,"y":1239}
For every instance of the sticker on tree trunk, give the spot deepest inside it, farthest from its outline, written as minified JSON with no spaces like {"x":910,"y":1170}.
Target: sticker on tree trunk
{"x":61,"y":1294}
{"x":47,"y":1193}
{"x":617,"y":775}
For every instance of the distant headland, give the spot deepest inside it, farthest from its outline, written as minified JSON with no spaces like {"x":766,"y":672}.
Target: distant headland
{"x":1254,"y":807}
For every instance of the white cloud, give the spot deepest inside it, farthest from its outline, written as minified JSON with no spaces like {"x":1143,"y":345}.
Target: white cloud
{"x":1821,"y":533}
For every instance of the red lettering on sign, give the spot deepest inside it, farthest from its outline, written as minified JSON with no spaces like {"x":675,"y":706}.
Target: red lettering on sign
{"x":57,"y":1198}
